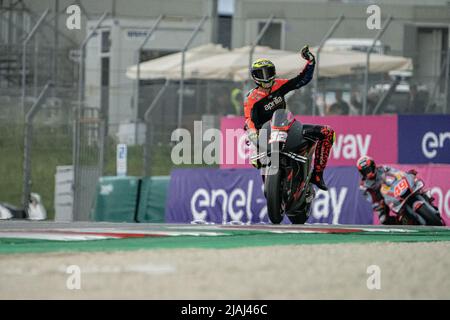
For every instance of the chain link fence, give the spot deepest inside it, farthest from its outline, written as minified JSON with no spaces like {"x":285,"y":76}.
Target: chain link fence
{"x":50,"y":145}
{"x":67,"y":131}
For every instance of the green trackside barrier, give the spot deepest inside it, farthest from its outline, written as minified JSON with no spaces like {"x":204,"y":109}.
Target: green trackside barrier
{"x":116,"y":199}
{"x":152,"y":201}
{"x":131,"y":199}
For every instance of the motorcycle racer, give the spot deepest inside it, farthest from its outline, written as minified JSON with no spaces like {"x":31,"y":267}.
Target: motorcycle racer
{"x":371,"y":180}
{"x":269,"y":95}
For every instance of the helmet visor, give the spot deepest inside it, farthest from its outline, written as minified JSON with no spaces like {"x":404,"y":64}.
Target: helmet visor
{"x":367,"y":171}
{"x":264,"y":74}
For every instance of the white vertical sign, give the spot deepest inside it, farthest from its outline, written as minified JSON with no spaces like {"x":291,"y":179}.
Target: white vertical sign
{"x":121,"y":160}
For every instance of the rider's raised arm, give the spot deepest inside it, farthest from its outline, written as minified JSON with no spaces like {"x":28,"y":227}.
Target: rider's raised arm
{"x":305,"y":75}
{"x":301,"y":80}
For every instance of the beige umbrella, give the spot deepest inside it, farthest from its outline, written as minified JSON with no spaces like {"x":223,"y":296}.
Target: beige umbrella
{"x":225,"y":65}
{"x":335,"y":64}
{"x":161,"y":67}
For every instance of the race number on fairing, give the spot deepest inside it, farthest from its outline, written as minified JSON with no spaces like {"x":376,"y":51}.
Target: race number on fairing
{"x":401,"y":187}
{"x":278,"y":136}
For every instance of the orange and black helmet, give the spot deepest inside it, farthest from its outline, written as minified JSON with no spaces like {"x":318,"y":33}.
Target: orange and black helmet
{"x":366,"y":167}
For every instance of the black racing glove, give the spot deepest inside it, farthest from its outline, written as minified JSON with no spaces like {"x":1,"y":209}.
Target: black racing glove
{"x":307,"y":55}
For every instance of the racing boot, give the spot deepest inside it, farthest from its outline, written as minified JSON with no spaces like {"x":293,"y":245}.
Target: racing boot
{"x":317,"y":179}
{"x":321,"y":156}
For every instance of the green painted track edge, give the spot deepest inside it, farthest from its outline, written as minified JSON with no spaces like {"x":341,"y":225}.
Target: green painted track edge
{"x":232,"y":240}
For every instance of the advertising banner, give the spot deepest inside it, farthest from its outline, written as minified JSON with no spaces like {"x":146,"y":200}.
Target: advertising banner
{"x":355,"y":136}
{"x":214,"y":195}
{"x":236,"y":195}
{"x":424,"y":139}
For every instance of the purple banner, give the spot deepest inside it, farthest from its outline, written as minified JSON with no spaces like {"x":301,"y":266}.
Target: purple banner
{"x":424,"y":139}
{"x":236,"y":195}
{"x":214,"y":195}
{"x":343,"y":203}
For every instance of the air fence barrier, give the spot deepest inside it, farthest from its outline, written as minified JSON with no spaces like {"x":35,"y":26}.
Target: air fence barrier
{"x":130,"y":199}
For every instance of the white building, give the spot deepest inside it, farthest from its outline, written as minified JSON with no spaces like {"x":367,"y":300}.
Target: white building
{"x":114,"y":48}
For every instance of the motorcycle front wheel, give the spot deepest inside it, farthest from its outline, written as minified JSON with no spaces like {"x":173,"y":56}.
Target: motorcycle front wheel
{"x":273,"y":196}
{"x":429,"y":213}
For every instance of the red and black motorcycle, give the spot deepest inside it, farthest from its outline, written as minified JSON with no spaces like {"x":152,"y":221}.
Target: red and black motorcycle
{"x":287,"y":158}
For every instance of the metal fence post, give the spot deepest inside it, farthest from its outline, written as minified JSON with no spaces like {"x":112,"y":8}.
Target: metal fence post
{"x":138,"y":73}
{"x":35,"y":71}
{"x":77,"y":115}
{"x":147,"y":171}
{"x":447,"y":75}
{"x":102,"y":144}
{"x":183,"y":58}
{"x":366,"y":73}
{"x":138,"y":58}
{"x":258,"y":38}
{"x":28,"y":139}
{"x":330,"y":32}
{"x":24,"y":55}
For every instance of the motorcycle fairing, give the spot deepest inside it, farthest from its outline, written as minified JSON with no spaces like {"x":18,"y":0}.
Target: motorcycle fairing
{"x":397,"y":188}
{"x":295,"y":140}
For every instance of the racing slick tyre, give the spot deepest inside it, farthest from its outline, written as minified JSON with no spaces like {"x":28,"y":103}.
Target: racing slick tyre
{"x":430,"y":214}
{"x":299,"y":218}
{"x":301,"y":215}
{"x":273,"y":195}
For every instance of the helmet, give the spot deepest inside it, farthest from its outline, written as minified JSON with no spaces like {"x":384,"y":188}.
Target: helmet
{"x":366,"y":167}
{"x":263,"y":72}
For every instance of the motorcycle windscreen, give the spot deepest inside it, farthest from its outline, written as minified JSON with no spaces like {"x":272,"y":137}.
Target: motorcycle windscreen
{"x":282,"y":120}
{"x":295,"y":140}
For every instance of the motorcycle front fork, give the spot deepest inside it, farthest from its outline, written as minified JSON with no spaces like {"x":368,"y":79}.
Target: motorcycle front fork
{"x":412,"y":213}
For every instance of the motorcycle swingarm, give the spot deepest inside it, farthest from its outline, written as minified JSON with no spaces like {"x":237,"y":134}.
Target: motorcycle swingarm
{"x":290,"y":155}
{"x":295,"y":156}
{"x":298,"y":203}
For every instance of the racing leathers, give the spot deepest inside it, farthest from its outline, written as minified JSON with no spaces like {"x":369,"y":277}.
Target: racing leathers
{"x":371,"y":190}
{"x":260,"y":104}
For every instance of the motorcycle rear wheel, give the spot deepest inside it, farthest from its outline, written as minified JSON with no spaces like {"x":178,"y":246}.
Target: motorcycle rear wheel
{"x":299,"y":218}
{"x":273,"y":196}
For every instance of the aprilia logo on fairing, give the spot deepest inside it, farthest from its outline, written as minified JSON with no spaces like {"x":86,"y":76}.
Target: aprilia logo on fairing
{"x":273,"y":103}
{"x":351,"y":146}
